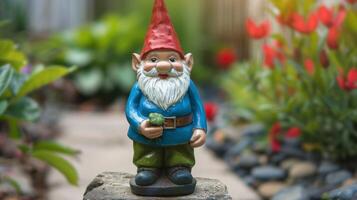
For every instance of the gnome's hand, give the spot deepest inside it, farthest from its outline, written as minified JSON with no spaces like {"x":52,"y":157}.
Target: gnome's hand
{"x":150,"y":132}
{"x":198,"y":138}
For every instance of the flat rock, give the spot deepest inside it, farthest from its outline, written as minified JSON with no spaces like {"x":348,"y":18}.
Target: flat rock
{"x":303,"y":169}
{"x":327,"y":167}
{"x":338,"y":177}
{"x":267,"y":173}
{"x":115,"y":186}
{"x":288,"y":163}
{"x":248,"y":161}
{"x":269,"y":189}
{"x":344,"y":193}
{"x":291,"y":193}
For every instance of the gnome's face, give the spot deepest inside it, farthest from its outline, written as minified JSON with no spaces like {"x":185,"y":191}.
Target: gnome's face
{"x":163,"y":76}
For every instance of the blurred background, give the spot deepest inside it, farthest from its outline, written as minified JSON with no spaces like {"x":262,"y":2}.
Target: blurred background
{"x":278,"y":79}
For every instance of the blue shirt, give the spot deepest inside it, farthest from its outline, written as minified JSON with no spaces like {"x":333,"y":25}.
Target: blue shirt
{"x":139,"y":107}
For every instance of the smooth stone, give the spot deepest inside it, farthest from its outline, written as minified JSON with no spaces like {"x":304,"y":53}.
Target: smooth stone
{"x":115,"y":185}
{"x":302,"y":170}
{"x":327,"y":167}
{"x":248,"y":161}
{"x":260,"y":147}
{"x":269,"y":189}
{"x":292,"y":142}
{"x":251,"y":181}
{"x":238,"y":148}
{"x":344,"y":193}
{"x":241,"y":172}
{"x":348,"y":182}
{"x":263,"y":160}
{"x":278,"y":158}
{"x":294,"y":152}
{"x":288,"y":163}
{"x":267,"y":173}
{"x":291,"y":193}
{"x":220,"y":149}
{"x":315,"y":193}
{"x":338,"y":177}
{"x":254,"y":130}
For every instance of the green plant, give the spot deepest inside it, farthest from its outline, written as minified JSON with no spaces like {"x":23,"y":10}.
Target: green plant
{"x":16,"y":106}
{"x":101,"y":51}
{"x":308,"y":78}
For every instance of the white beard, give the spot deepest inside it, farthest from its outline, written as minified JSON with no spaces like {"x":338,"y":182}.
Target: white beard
{"x":164,"y":92}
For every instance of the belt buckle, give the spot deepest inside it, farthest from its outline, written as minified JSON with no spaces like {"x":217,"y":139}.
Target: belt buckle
{"x":174,"y":123}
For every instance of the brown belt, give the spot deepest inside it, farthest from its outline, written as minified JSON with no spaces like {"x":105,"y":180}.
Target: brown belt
{"x":173,"y":122}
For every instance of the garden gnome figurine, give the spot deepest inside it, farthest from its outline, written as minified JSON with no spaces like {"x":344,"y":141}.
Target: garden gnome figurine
{"x":166,"y":115}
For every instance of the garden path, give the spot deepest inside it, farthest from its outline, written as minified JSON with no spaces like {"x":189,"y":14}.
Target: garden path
{"x":104,"y":146}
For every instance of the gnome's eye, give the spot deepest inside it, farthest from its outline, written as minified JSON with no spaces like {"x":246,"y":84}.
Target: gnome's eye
{"x":172,"y":59}
{"x":154,"y":60}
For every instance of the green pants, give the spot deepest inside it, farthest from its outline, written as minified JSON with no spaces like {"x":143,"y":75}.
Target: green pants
{"x":159,"y":157}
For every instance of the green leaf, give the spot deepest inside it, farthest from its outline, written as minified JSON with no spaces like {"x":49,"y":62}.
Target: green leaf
{"x":14,"y":129}
{"x":10,"y":55}
{"x":25,"y":109}
{"x":6,"y":73}
{"x":62,"y":165}
{"x":54,"y":147}
{"x":43,"y":78}
{"x":17,"y":81}
{"x":3,"y":106}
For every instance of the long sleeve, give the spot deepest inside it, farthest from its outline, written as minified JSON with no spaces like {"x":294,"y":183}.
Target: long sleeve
{"x":132,"y":113}
{"x":199,"y":115}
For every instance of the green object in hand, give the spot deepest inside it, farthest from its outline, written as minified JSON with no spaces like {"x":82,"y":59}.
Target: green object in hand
{"x":156,"y":119}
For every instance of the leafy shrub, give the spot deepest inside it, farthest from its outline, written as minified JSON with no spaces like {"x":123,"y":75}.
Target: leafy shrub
{"x":307,"y":78}
{"x":101,"y":50}
{"x":16,"y":106}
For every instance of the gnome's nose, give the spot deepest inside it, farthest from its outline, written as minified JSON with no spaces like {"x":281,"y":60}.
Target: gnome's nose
{"x":163,"y":67}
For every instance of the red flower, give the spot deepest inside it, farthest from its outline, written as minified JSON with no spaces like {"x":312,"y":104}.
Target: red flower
{"x":340,"y":18}
{"x":333,"y":37}
{"x":326,"y":15}
{"x":257,"y":31}
{"x":305,"y":26}
{"x":211,"y":110}
{"x":293,"y":132}
{"x":273,"y":137}
{"x":225,"y":58}
{"x":348,"y":82}
{"x":334,"y":31}
{"x":271,"y":55}
{"x":309,"y":66}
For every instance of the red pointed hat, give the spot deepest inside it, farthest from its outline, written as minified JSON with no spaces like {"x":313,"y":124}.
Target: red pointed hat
{"x":161,"y":33}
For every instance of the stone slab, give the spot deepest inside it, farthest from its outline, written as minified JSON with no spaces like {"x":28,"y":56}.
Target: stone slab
{"x":115,"y":186}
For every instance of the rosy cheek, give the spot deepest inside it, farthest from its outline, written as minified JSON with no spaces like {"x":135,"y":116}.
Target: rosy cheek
{"x":178,"y":67}
{"x":148,"y":67}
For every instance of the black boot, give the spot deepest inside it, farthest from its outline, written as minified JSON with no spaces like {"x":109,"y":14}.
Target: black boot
{"x":180,"y":175}
{"x":147,"y":176}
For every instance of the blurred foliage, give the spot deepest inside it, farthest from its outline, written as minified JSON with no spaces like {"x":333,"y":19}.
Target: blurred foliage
{"x":100,"y":50}
{"x":302,"y":88}
{"x":16,"y":83}
{"x":13,"y":16}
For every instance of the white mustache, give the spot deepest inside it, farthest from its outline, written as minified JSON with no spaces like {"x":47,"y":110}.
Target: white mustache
{"x":154,"y":73}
